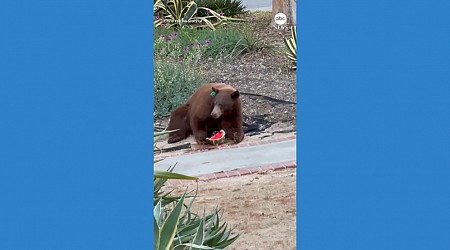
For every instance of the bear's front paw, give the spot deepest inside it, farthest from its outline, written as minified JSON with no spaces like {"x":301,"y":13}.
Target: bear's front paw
{"x":202,"y":142}
{"x":237,"y":137}
{"x":175,"y":138}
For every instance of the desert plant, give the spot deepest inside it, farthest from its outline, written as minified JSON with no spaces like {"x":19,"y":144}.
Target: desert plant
{"x":216,"y":234}
{"x":291,"y":44}
{"x":176,"y":13}
{"x":159,"y":179}
{"x":166,"y":228}
{"x":174,"y":83}
{"x":232,"y":42}
{"x":177,"y":227}
{"x":230,"y":8}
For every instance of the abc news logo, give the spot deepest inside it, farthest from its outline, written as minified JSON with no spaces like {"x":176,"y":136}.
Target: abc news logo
{"x":280,"y":19}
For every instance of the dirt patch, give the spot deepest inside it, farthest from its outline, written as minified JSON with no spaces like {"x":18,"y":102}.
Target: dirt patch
{"x":260,"y":206}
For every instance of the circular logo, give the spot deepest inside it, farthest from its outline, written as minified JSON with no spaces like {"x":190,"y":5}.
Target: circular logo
{"x":280,"y":19}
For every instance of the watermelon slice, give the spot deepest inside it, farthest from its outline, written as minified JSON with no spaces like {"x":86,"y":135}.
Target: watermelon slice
{"x":217,"y":138}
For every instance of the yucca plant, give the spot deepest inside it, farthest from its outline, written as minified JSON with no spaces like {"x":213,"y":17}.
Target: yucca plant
{"x":181,"y":12}
{"x":291,"y":45}
{"x":176,"y":227}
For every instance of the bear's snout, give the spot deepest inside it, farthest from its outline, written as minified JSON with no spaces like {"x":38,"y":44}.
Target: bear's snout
{"x":216,"y":112}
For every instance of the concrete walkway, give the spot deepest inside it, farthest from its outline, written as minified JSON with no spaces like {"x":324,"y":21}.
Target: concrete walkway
{"x":229,"y":159}
{"x":262,"y":5}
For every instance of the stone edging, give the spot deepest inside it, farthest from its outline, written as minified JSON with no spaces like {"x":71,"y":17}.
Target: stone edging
{"x":233,"y":173}
{"x":225,"y":146}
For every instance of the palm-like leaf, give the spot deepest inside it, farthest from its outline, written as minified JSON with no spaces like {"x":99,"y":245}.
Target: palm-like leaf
{"x":291,"y":45}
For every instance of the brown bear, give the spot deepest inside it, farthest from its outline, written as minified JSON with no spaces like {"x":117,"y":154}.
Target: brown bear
{"x":213,"y":106}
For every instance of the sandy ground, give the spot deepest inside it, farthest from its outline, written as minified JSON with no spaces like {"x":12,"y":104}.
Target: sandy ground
{"x":260,"y":206}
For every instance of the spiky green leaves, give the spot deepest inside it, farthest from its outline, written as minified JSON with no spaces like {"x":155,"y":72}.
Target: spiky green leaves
{"x":178,"y":13}
{"x":291,"y":45}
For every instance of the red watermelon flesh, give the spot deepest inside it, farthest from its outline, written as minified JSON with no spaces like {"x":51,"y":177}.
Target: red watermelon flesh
{"x":219,"y":135}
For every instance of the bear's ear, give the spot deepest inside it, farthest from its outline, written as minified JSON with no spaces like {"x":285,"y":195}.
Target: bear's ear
{"x":215,"y":90}
{"x":235,"y":94}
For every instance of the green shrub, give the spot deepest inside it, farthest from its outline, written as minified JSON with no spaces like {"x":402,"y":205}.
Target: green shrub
{"x":184,"y":44}
{"x":231,"y":43}
{"x":193,"y":45}
{"x":230,"y":8}
{"x":174,"y":83}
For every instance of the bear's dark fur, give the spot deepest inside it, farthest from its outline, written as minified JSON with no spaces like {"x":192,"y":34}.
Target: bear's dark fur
{"x":213,"y":106}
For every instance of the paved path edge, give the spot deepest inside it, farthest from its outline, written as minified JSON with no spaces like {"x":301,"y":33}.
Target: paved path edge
{"x":233,"y":173}
{"x":225,"y":146}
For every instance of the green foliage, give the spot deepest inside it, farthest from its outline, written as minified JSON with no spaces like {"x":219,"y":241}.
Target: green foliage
{"x":185,"y":44}
{"x":159,"y":179}
{"x":177,"y":56}
{"x":166,"y":229}
{"x":291,"y":44}
{"x":230,"y":8}
{"x":194,"y":45}
{"x":235,"y":42}
{"x":174,"y":83}
{"x":176,"y":228}
{"x":178,"y":13}
{"x":216,"y":234}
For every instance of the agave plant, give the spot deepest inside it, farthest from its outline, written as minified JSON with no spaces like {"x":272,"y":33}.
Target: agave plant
{"x":176,"y":228}
{"x":216,"y":234}
{"x":159,"y":179}
{"x":181,"y":12}
{"x":291,"y":45}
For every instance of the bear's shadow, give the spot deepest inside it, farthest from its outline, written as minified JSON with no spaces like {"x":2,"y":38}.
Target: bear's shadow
{"x":255,"y":124}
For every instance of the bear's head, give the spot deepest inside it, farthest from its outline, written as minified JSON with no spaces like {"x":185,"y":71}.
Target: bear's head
{"x":225,"y":101}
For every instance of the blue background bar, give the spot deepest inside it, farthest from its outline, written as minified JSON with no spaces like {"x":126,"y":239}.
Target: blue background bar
{"x":76,"y":125}
{"x":374,"y":125}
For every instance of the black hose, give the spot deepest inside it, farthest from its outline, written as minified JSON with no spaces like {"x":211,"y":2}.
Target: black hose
{"x":268,"y":98}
